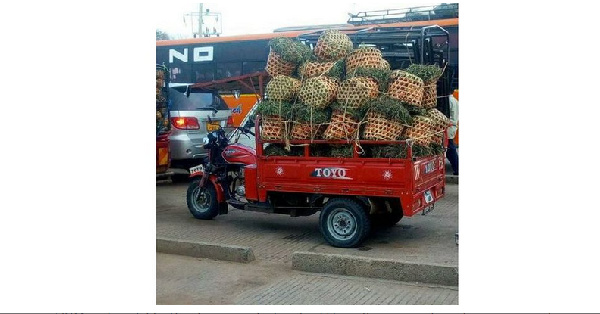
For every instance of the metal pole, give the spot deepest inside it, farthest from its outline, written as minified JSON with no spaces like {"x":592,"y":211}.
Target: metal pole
{"x":192,"y":24}
{"x":200,"y":20}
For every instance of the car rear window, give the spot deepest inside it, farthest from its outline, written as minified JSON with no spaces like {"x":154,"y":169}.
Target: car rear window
{"x":195,"y":101}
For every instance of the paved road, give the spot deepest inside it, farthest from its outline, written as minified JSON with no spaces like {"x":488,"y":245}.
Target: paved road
{"x":187,"y":280}
{"x":423,"y":239}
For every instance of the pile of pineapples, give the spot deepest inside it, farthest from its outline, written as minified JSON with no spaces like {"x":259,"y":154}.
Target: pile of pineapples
{"x":338,"y":92}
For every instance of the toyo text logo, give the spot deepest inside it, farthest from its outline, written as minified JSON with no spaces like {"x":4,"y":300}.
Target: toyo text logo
{"x":331,"y":173}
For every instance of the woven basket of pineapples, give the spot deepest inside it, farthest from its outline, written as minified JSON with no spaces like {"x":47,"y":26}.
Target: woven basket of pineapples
{"x":357,"y":91}
{"x":285,"y":55}
{"x":308,"y":123}
{"x":420,"y":131}
{"x":277,"y":66}
{"x":316,"y":68}
{"x":333,"y":45}
{"x":344,"y":123}
{"x":430,"y":74}
{"x":274,"y":114}
{"x":365,"y":57}
{"x":385,"y":119}
{"x":406,"y":87}
{"x":282,"y":88}
{"x":318,"y":91}
{"x":440,"y":123}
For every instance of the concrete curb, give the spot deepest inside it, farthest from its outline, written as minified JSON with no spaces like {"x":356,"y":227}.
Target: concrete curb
{"x":375,"y":268}
{"x":231,"y":253}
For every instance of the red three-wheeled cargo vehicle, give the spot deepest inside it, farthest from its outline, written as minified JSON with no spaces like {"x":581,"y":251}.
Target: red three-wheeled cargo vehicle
{"x":352,"y":193}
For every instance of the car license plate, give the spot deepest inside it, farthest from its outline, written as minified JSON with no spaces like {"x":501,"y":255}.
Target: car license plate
{"x":429,"y":167}
{"x":212,"y":126}
{"x":199,"y":168}
{"x":428,"y":196}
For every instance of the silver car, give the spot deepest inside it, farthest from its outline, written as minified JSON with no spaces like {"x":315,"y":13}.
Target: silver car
{"x":194,"y":113}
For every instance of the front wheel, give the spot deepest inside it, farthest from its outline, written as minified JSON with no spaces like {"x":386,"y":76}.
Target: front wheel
{"x":344,"y":223}
{"x":202,"y":203}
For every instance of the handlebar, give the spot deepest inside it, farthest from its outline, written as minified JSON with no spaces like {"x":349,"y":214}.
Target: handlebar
{"x":245,"y":130}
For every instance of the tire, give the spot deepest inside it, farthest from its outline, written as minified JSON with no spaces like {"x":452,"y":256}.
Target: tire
{"x":344,"y":223}
{"x":386,"y":220}
{"x":206,"y":208}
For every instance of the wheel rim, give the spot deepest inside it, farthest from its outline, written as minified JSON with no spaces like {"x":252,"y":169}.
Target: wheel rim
{"x":341,"y":224}
{"x":201,"y":200}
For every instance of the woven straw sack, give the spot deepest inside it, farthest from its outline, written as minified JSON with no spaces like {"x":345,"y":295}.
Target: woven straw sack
{"x":429,"y":96}
{"x":282,"y":88}
{"x":272,"y":128}
{"x":312,"y":69}
{"x":318,"y":91}
{"x":341,"y":126}
{"x":160,"y":74}
{"x":406,"y":87}
{"x":277,"y":66}
{"x":439,"y":124}
{"x":332,"y":46}
{"x":382,"y":129}
{"x":366,"y":57}
{"x":357,"y":91}
{"x":421,"y":130}
{"x":304,"y":131}
{"x":439,"y":120}
{"x":430,"y":93}
{"x":384,"y":65}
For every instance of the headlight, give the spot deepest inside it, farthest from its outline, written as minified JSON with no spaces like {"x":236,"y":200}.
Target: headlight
{"x":205,"y":140}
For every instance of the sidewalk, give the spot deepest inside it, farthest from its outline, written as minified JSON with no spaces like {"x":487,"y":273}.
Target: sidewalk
{"x":186,"y":280}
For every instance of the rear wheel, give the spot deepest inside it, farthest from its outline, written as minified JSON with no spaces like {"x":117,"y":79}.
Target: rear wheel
{"x":344,"y":223}
{"x":202,"y":203}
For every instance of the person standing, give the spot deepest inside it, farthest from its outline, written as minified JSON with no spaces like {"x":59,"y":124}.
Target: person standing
{"x":451,"y":153}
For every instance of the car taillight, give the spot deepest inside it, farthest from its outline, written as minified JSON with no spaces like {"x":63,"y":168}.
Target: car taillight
{"x":230,"y":121}
{"x":185,"y":123}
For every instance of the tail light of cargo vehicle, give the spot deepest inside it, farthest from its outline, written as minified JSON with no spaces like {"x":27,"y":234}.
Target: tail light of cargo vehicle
{"x":230,"y":122}
{"x":185,"y":123}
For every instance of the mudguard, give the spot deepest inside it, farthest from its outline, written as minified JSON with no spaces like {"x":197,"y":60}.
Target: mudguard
{"x":213,"y":179}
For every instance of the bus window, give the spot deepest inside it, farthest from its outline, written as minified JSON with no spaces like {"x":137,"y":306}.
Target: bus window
{"x":225,"y":70}
{"x":242,"y":51}
{"x":179,"y":74}
{"x":204,"y":72}
{"x":253,"y":66}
